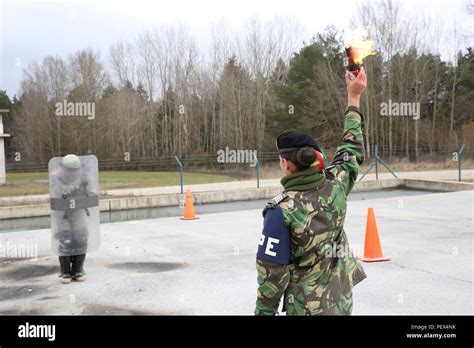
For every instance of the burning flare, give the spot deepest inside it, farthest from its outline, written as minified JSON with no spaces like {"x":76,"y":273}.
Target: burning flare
{"x":360,"y":46}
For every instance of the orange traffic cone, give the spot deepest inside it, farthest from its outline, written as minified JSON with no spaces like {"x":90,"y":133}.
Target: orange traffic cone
{"x":372,"y":247}
{"x":189,"y":213}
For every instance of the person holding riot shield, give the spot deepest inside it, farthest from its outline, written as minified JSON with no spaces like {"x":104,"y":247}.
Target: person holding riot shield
{"x":75,"y":216}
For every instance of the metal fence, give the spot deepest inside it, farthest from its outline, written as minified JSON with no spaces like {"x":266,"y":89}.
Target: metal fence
{"x":163,"y":163}
{"x":209,"y":162}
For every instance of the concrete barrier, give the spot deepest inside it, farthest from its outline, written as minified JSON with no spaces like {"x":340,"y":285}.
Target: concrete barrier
{"x":377,"y":185}
{"x":437,"y":185}
{"x":24,"y":211}
{"x":38,"y":205}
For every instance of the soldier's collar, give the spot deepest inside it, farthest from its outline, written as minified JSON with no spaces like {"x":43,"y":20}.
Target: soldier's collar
{"x":303,"y":180}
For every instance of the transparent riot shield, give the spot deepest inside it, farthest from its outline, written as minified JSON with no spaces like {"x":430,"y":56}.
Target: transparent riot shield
{"x":75,"y":217}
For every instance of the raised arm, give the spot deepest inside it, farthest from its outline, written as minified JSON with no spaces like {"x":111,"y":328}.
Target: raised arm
{"x":350,"y":151}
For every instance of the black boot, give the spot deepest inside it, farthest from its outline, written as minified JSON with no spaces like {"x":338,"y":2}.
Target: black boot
{"x":65,"y":269}
{"x":78,"y":273}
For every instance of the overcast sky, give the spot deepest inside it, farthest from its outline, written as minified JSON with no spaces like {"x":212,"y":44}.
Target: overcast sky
{"x":30,"y":30}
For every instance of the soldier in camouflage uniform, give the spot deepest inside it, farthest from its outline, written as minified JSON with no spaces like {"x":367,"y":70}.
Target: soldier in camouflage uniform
{"x":303,"y":253}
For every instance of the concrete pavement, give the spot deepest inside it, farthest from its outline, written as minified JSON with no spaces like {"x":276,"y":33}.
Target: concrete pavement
{"x":207,"y":266}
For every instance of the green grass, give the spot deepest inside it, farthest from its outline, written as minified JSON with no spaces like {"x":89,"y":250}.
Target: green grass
{"x":19,"y":184}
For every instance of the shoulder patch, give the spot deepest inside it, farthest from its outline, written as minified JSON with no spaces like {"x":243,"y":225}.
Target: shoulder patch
{"x":277,"y":199}
{"x":274,"y":202}
{"x":274,"y":244}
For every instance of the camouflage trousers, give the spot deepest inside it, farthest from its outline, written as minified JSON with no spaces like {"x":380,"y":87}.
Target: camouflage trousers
{"x":342,"y":307}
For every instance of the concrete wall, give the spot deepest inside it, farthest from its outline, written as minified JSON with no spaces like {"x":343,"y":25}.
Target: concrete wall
{"x":34,"y":206}
{"x":437,"y":185}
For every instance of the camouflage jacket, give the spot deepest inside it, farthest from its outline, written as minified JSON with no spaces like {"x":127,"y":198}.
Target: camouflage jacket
{"x":305,"y":257}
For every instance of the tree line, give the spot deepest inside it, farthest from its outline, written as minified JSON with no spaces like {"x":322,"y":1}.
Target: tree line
{"x":159,"y":95}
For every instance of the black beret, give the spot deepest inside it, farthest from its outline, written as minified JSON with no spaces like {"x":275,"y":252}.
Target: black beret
{"x":294,"y":140}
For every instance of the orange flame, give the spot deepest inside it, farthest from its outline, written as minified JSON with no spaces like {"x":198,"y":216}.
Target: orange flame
{"x":361,"y":45}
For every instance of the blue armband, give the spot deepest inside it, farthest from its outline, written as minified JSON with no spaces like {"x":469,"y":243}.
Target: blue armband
{"x":274,"y":244}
